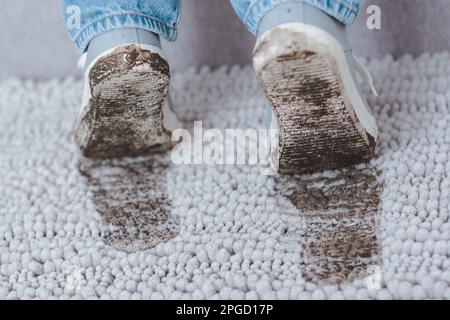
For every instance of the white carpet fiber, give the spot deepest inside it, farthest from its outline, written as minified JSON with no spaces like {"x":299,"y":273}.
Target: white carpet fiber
{"x":70,"y":228}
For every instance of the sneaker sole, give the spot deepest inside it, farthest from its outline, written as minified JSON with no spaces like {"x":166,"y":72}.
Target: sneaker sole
{"x":317,"y":125}
{"x":124,"y":115}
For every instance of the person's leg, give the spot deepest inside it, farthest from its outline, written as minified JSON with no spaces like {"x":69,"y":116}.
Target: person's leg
{"x":86,"y":19}
{"x":304,"y":62}
{"x":126,"y":74}
{"x":251,"y":12}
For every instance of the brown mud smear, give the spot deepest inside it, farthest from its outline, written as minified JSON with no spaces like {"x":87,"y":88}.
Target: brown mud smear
{"x":131,"y":197}
{"x":318,"y":126}
{"x":124,"y":117}
{"x":340,"y":209}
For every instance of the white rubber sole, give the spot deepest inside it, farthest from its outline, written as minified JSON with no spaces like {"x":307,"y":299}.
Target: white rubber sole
{"x":124,"y":108}
{"x":321,"y":119}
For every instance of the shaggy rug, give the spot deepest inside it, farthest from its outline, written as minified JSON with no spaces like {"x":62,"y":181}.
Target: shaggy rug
{"x":146,"y":228}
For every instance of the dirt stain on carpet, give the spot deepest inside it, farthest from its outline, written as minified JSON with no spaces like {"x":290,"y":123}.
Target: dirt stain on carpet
{"x":131,"y":197}
{"x":340,"y":211}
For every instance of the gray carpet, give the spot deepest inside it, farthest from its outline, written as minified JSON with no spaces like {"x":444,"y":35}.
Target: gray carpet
{"x":146,"y":228}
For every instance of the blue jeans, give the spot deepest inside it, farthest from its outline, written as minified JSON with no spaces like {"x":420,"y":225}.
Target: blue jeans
{"x":87,"y":18}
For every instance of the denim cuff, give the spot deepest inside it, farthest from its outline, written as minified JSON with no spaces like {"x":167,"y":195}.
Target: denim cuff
{"x":345,"y":11}
{"x":120,"y":21}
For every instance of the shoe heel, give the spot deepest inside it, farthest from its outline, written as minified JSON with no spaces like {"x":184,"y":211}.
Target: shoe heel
{"x":124,"y":115}
{"x":318,"y":128}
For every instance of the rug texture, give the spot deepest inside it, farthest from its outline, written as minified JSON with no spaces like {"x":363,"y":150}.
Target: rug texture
{"x":146,"y":228}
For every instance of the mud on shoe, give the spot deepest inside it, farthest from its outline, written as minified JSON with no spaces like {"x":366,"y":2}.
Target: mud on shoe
{"x":304,"y":62}
{"x":124,"y":110}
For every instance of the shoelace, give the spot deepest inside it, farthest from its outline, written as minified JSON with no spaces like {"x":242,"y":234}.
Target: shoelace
{"x":365,"y":74}
{"x":82,"y":61}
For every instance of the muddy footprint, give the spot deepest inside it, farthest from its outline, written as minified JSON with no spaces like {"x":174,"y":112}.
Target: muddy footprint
{"x":131,"y":197}
{"x":340,"y":208}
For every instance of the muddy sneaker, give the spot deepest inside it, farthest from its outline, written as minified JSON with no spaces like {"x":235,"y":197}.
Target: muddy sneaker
{"x":123,"y":109}
{"x":305,"y":65}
